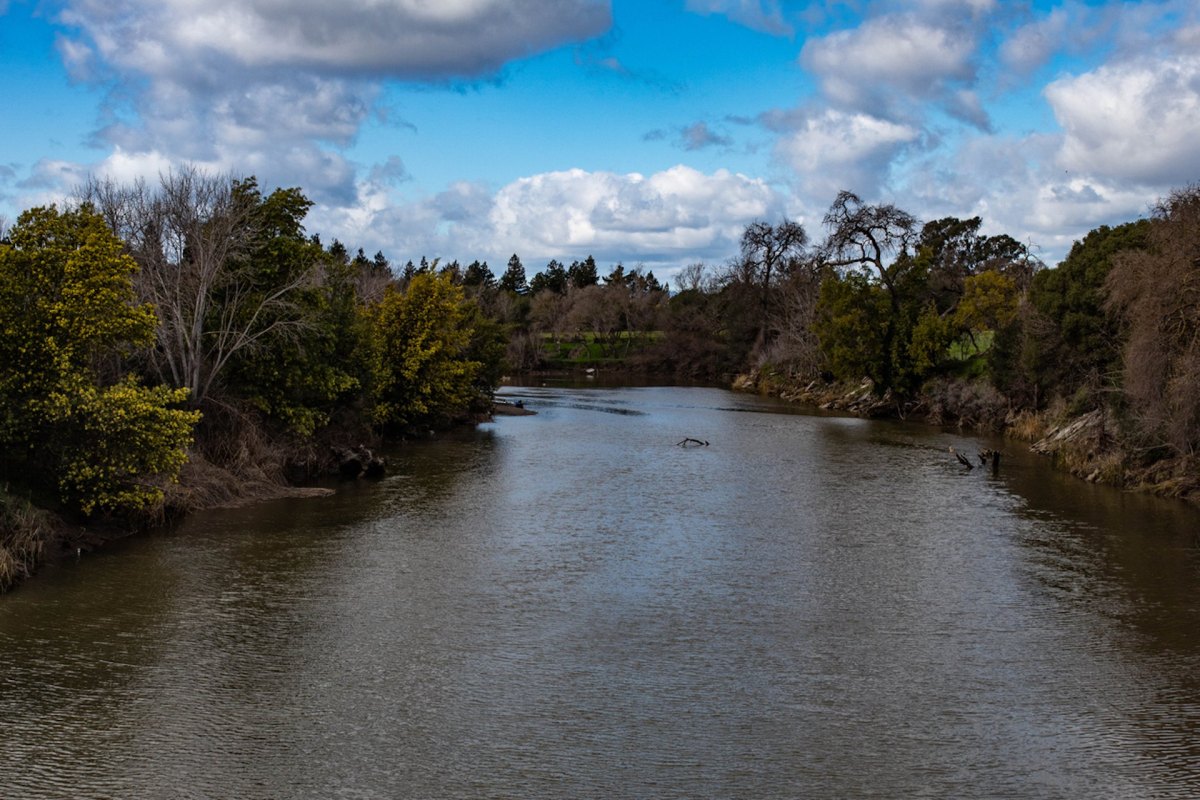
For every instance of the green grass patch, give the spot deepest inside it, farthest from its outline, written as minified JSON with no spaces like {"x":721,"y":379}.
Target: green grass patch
{"x":964,"y":349}
{"x":593,"y":349}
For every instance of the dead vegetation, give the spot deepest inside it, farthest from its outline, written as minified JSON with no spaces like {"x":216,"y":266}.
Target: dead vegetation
{"x":25,"y":536}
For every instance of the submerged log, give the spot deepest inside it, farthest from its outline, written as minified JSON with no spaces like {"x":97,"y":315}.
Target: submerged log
{"x":966,"y":462}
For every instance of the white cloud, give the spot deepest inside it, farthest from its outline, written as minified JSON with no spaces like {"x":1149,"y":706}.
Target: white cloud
{"x":678,"y":212}
{"x":890,"y":65}
{"x":1133,"y":121}
{"x":834,"y":150}
{"x":664,"y":219}
{"x":413,"y":39}
{"x":1015,"y":185}
{"x":760,"y":15}
{"x":279,"y":88}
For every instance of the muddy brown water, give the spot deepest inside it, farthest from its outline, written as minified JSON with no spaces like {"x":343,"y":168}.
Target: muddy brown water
{"x":569,"y":605}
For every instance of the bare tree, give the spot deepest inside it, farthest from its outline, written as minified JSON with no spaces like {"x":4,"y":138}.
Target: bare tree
{"x":1157,"y":291}
{"x":866,"y":236}
{"x":593,"y":311}
{"x":794,"y":343}
{"x":192,"y":236}
{"x":768,"y":255}
{"x":693,"y":278}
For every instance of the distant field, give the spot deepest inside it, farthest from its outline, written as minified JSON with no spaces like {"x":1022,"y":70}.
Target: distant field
{"x":964,"y":350}
{"x":590,"y":349}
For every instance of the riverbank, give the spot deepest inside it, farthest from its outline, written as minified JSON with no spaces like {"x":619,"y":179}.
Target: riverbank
{"x":1090,"y":445}
{"x":30,"y":535}
{"x":236,"y":462}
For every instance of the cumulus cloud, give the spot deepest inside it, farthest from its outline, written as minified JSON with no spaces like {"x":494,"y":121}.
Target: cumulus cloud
{"x":680,"y":211}
{"x":760,"y":15}
{"x":890,"y":64}
{"x":1133,"y":121}
{"x":831,"y":150}
{"x":664,"y":219}
{"x":1017,"y":187}
{"x":197,"y":40}
{"x":279,"y":89}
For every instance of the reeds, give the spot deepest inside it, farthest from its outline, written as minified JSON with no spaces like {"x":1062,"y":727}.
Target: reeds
{"x":24,"y":532}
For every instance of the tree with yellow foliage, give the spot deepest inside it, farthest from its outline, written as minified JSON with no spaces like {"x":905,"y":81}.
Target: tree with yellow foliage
{"x":422,"y":371}
{"x":69,"y":416}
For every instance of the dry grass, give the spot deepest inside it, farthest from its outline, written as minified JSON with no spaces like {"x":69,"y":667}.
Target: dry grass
{"x":965,"y":403}
{"x":24,"y":534}
{"x":236,"y":461}
{"x":1027,"y":426}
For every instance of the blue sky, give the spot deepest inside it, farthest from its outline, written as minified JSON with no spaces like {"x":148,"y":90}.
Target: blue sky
{"x":643,"y":132}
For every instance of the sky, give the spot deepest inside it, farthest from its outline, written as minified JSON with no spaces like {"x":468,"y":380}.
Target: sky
{"x":638,"y":131}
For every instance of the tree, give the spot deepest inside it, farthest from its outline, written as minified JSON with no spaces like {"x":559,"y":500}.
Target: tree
{"x":853,"y":317}
{"x":477,"y":275}
{"x":584,"y":273}
{"x":1156,"y":291}
{"x":693,"y":343}
{"x":302,"y":378}
{"x":422,"y":371}
{"x":553,"y":279}
{"x":68,"y":416}
{"x":864,"y":237}
{"x":592,"y":311}
{"x":1071,"y":341}
{"x":989,"y":303}
{"x":794,"y":345}
{"x":513,"y":279}
{"x":768,"y":253}
{"x":192,"y":238}
{"x":694,"y":277}
{"x":950,"y":251}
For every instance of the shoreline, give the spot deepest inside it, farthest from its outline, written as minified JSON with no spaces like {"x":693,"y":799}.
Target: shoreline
{"x":1087,"y":445}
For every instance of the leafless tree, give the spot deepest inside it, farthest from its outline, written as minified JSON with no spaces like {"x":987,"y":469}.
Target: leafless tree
{"x":547,"y":310}
{"x":693,"y":278}
{"x":866,"y":236}
{"x":593,"y":311}
{"x":191,"y":236}
{"x":768,"y":255}
{"x":794,"y":343}
{"x":1157,"y":291}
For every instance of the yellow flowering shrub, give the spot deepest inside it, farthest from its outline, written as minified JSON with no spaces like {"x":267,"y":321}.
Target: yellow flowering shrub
{"x":68,"y":315}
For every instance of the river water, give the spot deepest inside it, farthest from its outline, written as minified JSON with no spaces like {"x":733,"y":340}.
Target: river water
{"x":570,"y":605}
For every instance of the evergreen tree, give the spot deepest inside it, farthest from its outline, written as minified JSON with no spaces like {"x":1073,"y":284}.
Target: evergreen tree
{"x":513,"y":279}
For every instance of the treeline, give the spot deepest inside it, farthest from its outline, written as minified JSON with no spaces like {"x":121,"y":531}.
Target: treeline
{"x":196,"y":318}
{"x":148,"y":325}
{"x":931,"y":314}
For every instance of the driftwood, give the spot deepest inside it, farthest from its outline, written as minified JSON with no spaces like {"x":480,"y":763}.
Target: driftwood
{"x":966,"y":462}
{"x":689,"y":442}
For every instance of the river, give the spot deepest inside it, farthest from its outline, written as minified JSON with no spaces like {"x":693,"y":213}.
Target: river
{"x":570,"y":605}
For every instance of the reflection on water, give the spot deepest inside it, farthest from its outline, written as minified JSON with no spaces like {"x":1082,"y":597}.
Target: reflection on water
{"x":570,"y":605}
